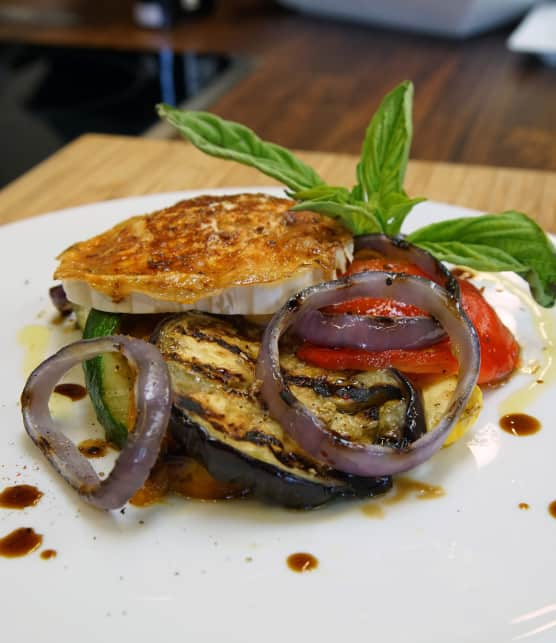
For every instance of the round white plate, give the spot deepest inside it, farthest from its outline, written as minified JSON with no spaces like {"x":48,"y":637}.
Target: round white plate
{"x":466,"y":567}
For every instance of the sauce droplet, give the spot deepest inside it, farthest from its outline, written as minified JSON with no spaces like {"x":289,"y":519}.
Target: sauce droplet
{"x":184,"y":477}
{"x":373,"y":510}
{"x":73,"y":391}
{"x":519,"y":424}
{"x":58,"y":319}
{"x":47,"y":554}
{"x":302,"y":562}
{"x":20,"y":542}
{"x":20,"y":496}
{"x":404,"y":487}
{"x":552,"y":508}
{"x":93,"y":448}
{"x":523,"y":505}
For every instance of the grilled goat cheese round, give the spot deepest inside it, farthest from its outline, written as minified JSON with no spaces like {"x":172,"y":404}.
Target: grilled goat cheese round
{"x":240,"y":254}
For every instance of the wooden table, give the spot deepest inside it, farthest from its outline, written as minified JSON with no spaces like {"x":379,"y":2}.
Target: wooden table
{"x":95,"y":168}
{"x":315,"y":82}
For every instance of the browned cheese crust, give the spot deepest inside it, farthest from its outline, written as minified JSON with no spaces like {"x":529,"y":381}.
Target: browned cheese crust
{"x":202,"y":246}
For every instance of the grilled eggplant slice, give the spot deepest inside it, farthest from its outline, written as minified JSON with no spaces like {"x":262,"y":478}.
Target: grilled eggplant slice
{"x":220,"y":419}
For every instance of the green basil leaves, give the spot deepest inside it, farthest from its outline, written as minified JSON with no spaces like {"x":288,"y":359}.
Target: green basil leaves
{"x":378,"y":202}
{"x":494,"y":242}
{"x":235,"y":142}
{"x":385,"y":152}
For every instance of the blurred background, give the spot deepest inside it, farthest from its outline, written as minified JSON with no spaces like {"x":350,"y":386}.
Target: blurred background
{"x":307,"y":74}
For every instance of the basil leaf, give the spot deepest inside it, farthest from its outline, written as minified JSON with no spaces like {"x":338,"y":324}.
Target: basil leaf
{"x":395,"y":208}
{"x":494,"y":242}
{"x":235,"y":142}
{"x":473,"y":256}
{"x":357,"y":193}
{"x":323,"y":193}
{"x":359,"y":219}
{"x":385,"y":152}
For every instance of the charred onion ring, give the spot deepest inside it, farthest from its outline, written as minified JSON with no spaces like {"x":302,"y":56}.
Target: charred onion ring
{"x":308,"y":431}
{"x":59,"y":300}
{"x":153,"y":400}
{"x":341,"y":330}
{"x":398,"y":249}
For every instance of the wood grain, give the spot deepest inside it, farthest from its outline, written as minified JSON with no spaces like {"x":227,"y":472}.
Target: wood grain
{"x":96,"y":168}
{"x":317,"y":82}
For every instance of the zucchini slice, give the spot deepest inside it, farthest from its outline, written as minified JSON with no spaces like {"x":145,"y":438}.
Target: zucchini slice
{"x":109,"y":380}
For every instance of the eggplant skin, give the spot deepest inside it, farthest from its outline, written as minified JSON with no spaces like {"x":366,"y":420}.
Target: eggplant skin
{"x":220,"y":419}
{"x":265,"y":481}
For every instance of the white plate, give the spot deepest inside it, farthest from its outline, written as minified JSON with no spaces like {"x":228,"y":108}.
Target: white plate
{"x":536,"y":34}
{"x":469,"y":566}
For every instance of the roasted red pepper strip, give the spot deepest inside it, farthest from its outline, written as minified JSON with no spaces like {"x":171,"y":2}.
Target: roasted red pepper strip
{"x":377,"y":306}
{"x":377,"y":263}
{"x":433,"y":359}
{"x":499,"y":349}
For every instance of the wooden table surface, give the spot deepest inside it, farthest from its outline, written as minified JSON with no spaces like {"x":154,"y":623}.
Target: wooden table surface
{"x":95,"y":168}
{"x":315,"y":82}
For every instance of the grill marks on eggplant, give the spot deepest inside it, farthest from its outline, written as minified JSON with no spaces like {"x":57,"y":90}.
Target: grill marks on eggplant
{"x":321,"y":386}
{"x":357,"y":407}
{"x":206,"y":346}
{"x":220,"y":418}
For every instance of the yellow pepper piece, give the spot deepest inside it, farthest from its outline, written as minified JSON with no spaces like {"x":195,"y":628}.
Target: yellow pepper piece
{"x":437,"y":394}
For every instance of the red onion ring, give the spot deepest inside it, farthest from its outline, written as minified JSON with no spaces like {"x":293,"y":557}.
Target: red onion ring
{"x":153,"y":402}
{"x":59,"y":300}
{"x":308,"y":431}
{"x":398,"y":249}
{"x":367,"y":332}
{"x":370,"y":333}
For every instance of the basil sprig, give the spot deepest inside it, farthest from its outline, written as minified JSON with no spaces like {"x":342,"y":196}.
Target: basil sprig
{"x":378,"y":203}
{"x":381,"y":169}
{"x":494,"y":242}
{"x":232,"y":141}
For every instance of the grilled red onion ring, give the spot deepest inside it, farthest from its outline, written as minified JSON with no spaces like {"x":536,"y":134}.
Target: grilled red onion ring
{"x":398,"y":249}
{"x":153,"y":400}
{"x":59,"y":300}
{"x":371,"y":333}
{"x":342,"y":330}
{"x":308,"y":431}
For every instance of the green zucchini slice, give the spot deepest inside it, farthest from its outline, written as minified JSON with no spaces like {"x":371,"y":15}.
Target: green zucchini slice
{"x":109,"y":380}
